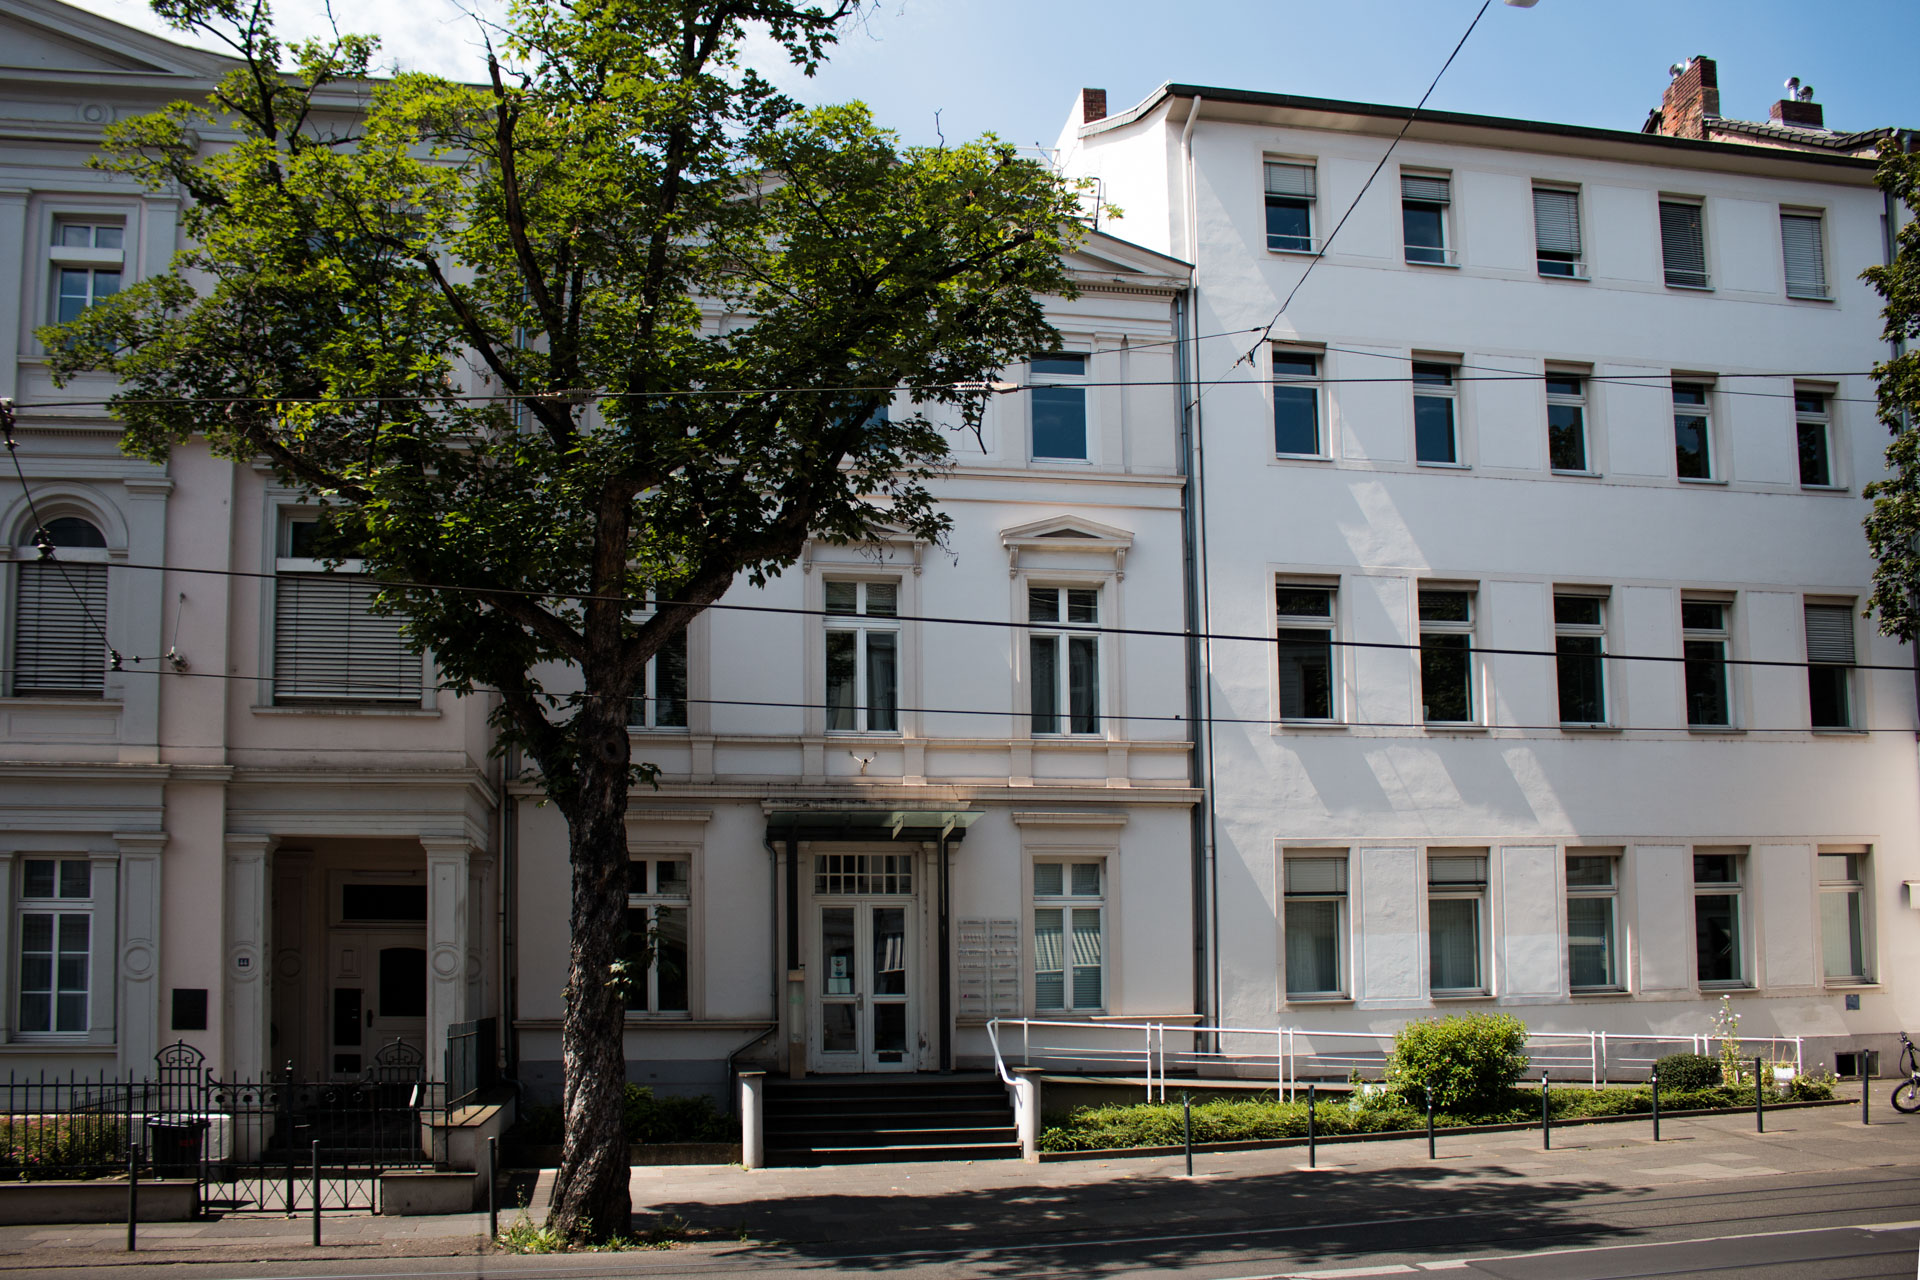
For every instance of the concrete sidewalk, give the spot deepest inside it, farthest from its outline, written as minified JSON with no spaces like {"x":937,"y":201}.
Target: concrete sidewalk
{"x":946,"y":1205}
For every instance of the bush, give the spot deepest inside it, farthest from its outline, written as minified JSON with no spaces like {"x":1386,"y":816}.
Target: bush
{"x":1467,"y":1062}
{"x":62,"y":1146}
{"x":1687,"y":1072}
{"x":645,"y":1119}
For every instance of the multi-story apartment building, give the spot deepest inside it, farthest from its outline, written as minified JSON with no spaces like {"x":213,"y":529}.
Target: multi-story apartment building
{"x":1528,"y":460}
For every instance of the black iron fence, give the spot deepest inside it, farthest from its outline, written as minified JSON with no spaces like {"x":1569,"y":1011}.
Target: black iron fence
{"x":473,"y":1060}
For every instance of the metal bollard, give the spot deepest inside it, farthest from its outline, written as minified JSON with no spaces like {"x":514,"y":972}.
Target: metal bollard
{"x":1431,"y":1153}
{"x":1866,"y":1086}
{"x":1310,"y":1132}
{"x":493,"y":1188}
{"x":316,"y":1193}
{"x":1186,"y":1127}
{"x":1546,"y":1114}
{"x":1654,"y":1081}
{"x":1759,"y":1101}
{"x":133,"y":1195}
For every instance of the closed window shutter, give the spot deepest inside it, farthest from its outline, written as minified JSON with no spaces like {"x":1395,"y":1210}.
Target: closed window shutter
{"x":1683,"y":244}
{"x":329,"y":646}
{"x":1829,"y":633}
{"x":57,"y":644}
{"x":1316,"y":875}
{"x":1290,"y":180}
{"x":1806,"y":268}
{"x":1556,"y":221}
{"x":1428,"y":190}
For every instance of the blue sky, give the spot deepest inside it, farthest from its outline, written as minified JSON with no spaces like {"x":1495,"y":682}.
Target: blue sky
{"x":1013,"y":66}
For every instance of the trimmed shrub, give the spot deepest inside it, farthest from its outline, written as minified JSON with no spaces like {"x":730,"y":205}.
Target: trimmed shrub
{"x":1467,"y":1063}
{"x":1687,"y":1072}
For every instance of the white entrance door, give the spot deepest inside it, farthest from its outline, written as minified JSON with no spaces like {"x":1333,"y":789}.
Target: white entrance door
{"x":864,"y":1012}
{"x":376,"y":994}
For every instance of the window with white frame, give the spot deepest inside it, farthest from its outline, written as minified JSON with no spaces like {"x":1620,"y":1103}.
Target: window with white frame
{"x":1305,"y":627}
{"x":1296,"y":404}
{"x":659,"y":896}
{"x":329,"y":646}
{"x":1843,"y":916}
{"x":1069,"y":930}
{"x":1692,"y":431}
{"x":1830,"y":659}
{"x":55,"y":923}
{"x":1314,"y":886}
{"x":1424,"y":198}
{"x":863,"y":656}
{"x":1058,"y":400}
{"x":1446,"y":656}
{"x":1456,"y":912}
{"x":1803,"y":248}
{"x":1703,"y":648}
{"x":1556,"y":232}
{"x":60,"y":613}
{"x":88,"y":261}
{"x":1579,"y":647}
{"x":1064,"y":675}
{"x":1813,"y":430}
{"x":1291,"y":192}
{"x":1683,"y":243}
{"x":659,"y":698}
{"x":1719,"y":917}
{"x":1593,"y":926}
{"x":1436,"y":427}
{"x":1567,"y":423}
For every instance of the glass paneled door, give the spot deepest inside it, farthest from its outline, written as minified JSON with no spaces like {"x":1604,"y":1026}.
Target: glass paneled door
{"x":865,"y":1009}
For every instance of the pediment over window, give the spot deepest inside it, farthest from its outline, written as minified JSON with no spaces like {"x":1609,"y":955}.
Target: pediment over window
{"x":1068,"y":534}
{"x":890,"y":545}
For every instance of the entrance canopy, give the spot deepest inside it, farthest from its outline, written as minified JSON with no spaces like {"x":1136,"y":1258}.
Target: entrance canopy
{"x":870,"y":824}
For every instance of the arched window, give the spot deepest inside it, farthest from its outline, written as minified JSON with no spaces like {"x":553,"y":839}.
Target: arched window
{"x":60,"y":613}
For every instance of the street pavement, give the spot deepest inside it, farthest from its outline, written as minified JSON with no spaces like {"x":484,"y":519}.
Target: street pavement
{"x":1816,"y":1195}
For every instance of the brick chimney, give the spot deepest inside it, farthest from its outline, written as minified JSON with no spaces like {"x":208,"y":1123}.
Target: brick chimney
{"x":1693,"y":96}
{"x":1093,"y":105}
{"x":1798,"y":108}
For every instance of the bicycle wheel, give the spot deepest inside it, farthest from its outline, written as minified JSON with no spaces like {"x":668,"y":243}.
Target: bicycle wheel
{"x":1906,"y":1096}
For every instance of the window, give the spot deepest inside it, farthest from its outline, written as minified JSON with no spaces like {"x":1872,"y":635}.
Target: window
{"x":1556,"y":232}
{"x":1830,"y":665}
{"x":1683,"y":244}
{"x":1843,"y":917}
{"x":1580,"y":646}
{"x":1456,"y":901}
{"x":1290,"y":196}
{"x":863,"y":657}
{"x":1719,"y":950}
{"x":1296,"y":405}
{"x":1703,"y":646}
{"x":60,"y":614}
{"x":1423,"y":216}
{"x":328,"y":644}
{"x":1305,"y":636}
{"x":1059,"y":400}
{"x":1069,"y":908}
{"x":658,"y":897}
{"x":1806,"y":263}
{"x":1567,"y":423}
{"x":1692,"y":431}
{"x":1446,"y":656}
{"x":1813,"y":427}
{"x":88,"y":257}
{"x":659,"y":699}
{"x":1593,"y":889}
{"x":56,"y":944}
{"x":1070,"y":704}
{"x":1315,"y":886}
{"x":1435,"y":439}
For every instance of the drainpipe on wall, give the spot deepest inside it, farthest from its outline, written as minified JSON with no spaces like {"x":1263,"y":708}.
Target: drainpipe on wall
{"x":946,"y":959}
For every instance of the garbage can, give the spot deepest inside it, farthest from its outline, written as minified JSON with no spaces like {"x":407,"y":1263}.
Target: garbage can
{"x":175,"y":1145}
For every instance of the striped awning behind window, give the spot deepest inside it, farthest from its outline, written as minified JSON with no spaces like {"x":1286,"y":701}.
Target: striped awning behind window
{"x":58,"y":647}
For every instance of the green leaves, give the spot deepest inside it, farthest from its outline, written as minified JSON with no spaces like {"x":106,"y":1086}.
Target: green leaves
{"x":1893,"y":526}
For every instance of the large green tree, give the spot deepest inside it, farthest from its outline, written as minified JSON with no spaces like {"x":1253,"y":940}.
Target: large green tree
{"x":679,"y":298}
{"x":1893,"y":526}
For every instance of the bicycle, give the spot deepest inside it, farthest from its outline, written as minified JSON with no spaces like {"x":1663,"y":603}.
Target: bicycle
{"x":1906,"y":1095}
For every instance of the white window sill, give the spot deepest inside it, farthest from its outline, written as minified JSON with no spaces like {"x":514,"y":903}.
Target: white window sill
{"x":1302,"y":457}
{"x":1810,"y":297}
{"x":1850,"y":988}
{"x":1062,"y":462}
{"x":1288,"y":726}
{"x":1293,"y":253}
{"x":348,"y":709}
{"x":1825,"y":488}
{"x":867,"y":735}
{"x":658,"y":730}
{"x":1581,"y":475}
{"x":21,"y":701}
{"x":1716,"y":730}
{"x":1599,"y":993}
{"x":1690,"y":288}
{"x":1701,"y":480}
{"x":641,"y":1015}
{"x":1590,"y":728}
{"x":1455,"y":726}
{"x":1837,"y":731}
{"x":1444,"y":466}
{"x":1728,"y":989}
{"x":1459,"y":997}
{"x":1562,"y":278}
{"x":1449,"y":266}
{"x":1316,"y":1001}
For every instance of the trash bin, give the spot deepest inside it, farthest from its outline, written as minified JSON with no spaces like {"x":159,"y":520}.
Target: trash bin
{"x":175,"y":1146}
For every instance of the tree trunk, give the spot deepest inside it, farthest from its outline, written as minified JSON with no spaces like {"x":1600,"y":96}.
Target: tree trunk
{"x":591,"y":1200}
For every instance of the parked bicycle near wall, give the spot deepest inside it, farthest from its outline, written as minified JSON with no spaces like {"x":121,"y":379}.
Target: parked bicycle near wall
{"x":1906,"y":1094}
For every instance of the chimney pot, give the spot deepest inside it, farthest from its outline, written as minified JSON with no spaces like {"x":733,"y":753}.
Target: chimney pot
{"x":1093,"y":105}
{"x":1804,"y":114}
{"x":1692,"y":97}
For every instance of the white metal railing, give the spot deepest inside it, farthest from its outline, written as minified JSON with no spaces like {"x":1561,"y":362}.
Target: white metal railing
{"x":1142,"y":1048}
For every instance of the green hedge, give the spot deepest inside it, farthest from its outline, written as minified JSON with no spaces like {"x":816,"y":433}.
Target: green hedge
{"x":645,"y":1118}
{"x":1469,"y":1061}
{"x":1685,"y":1071}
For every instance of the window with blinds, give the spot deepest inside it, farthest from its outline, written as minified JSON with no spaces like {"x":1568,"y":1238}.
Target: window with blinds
{"x":1291,"y":192}
{"x":1830,"y":657}
{"x":1806,"y":264}
{"x":1556,"y":232}
{"x":1456,"y":899}
{"x":1423,"y":216}
{"x":60,"y":613}
{"x":1314,"y":921}
{"x":1683,"y":244}
{"x":329,"y":645}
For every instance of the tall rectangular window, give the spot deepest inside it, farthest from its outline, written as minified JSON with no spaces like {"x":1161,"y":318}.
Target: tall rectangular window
{"x":1718,"y":939}
{"x":1580,"y":646}
{"x":1692,"y":431}
{"x":1446,"y":656}
{"x":1683,"y":244}
{"x":1843,"y":917}
{"x":88,"y":260}
{"x":1059,"y":402}
{"x":1567,"y":422}
{"x":658,"y":897}
{"x":1593,"y":893}
{"x":1065,"y":675}
{"x":1315,"y":920}
{"x":1291,"y":191}
{"x":1069,"y":962}
{"x":1305,"y":640}
{"x":56,"y":944}
{"x":1813,"y":431}
{"x":659,"y":698}
{"x":1456,"y":906}
{"x":1436,"y":437}
{"x":1296,"y":404}
{"x":1556,"y":232}
{"x":863,"y":656}
{"x":329,"y":646}
{"x":1423,"y":217}
{"x":1806,"y":259}
{"x":1703,"y":643}
{"x":60,"y":613}
{"x":1830,"y":665}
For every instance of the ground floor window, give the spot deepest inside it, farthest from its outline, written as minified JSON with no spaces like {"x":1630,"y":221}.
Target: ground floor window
{"x":1069,"y":928}
{"x":1316,"y":924}
{"x":658,"y":899}
{"x":55,"y":921}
